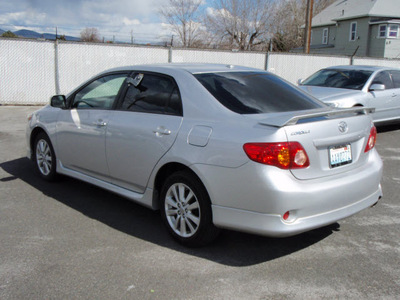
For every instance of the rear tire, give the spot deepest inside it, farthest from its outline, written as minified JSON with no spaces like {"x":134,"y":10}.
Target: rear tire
{"x":44,"y":157}
{"x":186,"y":210}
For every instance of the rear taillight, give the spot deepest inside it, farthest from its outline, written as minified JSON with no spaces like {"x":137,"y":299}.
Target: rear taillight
{"x":285,"y":155}
{"x":371,"y":139}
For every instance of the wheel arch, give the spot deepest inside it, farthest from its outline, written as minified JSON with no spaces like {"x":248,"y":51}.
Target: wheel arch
{"x":35,"y":132}
{"x":162,"y":175}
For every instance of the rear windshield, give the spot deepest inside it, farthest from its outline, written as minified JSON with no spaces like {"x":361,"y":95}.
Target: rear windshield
{"x":255,"y":92}
{"x":343,"y":79}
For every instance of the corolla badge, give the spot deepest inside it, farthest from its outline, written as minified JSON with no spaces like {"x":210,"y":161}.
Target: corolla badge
{"x":301,"y":132}
{"x":343,"y":127}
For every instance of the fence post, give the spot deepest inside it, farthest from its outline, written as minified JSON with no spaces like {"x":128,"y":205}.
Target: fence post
{"x":56,"y":68}
{"x":170,"y":55}
{"x":266,"y":61}
{"x":352,"y":57}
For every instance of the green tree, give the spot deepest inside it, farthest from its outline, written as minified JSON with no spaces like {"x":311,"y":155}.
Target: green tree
{"x":9,"y":34}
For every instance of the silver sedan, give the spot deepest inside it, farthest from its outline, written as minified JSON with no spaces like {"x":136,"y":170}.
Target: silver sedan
{"x":349,"y":86}
{"x":211,"y":146}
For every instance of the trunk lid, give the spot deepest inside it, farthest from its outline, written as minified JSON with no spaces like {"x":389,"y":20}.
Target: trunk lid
{"x":334,"y":139}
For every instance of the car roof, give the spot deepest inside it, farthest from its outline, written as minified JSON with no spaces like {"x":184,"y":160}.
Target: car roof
{"x":361,"y":68}
{"x":193,"y":68}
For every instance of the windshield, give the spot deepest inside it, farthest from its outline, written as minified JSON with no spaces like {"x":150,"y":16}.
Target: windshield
{"x":337,"y":78}
{"x":256,"y":92}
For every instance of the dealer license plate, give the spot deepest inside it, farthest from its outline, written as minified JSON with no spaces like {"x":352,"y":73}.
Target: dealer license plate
{"x":340,"y":155}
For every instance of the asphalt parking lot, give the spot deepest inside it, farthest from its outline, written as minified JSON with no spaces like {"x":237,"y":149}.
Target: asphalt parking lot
{"x":71,"y":240}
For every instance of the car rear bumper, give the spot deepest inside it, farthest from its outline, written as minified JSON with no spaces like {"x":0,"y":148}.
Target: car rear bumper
{"x":253,"y":198}
{"x":273,"y":224}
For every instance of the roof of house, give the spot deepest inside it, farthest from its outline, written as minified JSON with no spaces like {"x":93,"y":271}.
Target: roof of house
{"x":353,"y":9}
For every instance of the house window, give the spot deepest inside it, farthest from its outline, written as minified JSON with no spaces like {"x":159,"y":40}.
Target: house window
{"x":393,"y":31}
{"x":382,"y":31}
{"x":353,"y":31}
{"x":325,"y":36}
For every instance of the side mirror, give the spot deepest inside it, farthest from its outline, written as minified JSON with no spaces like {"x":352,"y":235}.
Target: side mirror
{"x":377,"y":87}
{"x":58,"y":101}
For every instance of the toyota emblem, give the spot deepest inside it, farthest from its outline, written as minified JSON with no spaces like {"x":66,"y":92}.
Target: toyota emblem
{"x":343,"y":127}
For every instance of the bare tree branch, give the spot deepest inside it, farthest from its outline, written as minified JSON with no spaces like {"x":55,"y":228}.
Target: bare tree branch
{"x":183,"y":16}
{"x":240,"y":23}
{"x":90,"y":35}
{"x":288,"y":20}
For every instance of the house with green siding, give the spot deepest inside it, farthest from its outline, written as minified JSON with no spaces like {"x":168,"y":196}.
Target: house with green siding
{"x":358,"y":27}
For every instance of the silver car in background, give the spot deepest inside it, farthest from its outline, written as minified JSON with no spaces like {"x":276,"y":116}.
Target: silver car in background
{"x":349,"y":86}
{"x":211,"y":146}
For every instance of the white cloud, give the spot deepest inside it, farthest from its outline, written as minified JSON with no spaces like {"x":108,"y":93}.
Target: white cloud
{"x":129,"y":22}
{"x":111,"y":17}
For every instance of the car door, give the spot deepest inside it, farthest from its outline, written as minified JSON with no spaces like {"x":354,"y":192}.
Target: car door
{"x":81,"y":129}
{"x":142,"y":129}
{"x":395,"y":75}
{"x":383,"y":101}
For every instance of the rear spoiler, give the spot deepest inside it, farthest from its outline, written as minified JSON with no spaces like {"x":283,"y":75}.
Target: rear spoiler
{"x":294,"y":117}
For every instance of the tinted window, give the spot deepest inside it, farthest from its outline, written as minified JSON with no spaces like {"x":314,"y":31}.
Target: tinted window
{"x":253,"y":92}
{"x":344,"y":79}
{"x":383,"y":78}
{"x":396,"y":78}
{"x":154,"y":94}
{"x":100,"y":93}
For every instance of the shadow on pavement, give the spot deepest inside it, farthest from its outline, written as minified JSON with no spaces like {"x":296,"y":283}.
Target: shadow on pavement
{"x":389,"y":127}
{"x":230,"y":248}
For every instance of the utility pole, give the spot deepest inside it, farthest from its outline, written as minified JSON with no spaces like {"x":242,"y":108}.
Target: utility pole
{"x":172,"y":40}
{"x":56,"y":33}
{"x":132,"y":37}
{"x":307,"y":33}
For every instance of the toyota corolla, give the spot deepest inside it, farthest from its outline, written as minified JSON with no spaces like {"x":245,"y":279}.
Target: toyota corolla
{"x":211,"y":146}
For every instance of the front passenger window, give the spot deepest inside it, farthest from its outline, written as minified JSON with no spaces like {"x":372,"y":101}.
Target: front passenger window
{"x":383,"y":78}
{"x":396,"y":78}
{"x":100,"y":93}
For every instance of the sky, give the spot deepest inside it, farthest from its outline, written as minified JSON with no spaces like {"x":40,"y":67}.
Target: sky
{"x":111,"y":17}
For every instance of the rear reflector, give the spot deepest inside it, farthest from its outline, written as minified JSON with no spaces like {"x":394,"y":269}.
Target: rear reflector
{"x":286,"y":215}
{"x":285,"y":155}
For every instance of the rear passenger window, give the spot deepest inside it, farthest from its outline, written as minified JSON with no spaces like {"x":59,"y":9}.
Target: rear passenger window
{"x":255,"y":92}
{"x":396,"y":78}
{"x":154,"y":94}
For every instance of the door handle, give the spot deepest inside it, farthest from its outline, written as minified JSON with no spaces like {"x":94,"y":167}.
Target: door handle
{"x":100,"y":123}
{"x":161,"y":130}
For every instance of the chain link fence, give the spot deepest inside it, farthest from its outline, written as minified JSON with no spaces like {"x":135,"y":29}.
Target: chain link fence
{"x":253,"y":59}
{"x":26,"y":71}
{"x":31,"y":71}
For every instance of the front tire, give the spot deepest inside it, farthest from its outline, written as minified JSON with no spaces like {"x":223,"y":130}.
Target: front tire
{"x":186,"y":210}
{"x":45,"y":158}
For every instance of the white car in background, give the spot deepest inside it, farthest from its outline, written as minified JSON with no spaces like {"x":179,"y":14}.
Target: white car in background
{"x":349,"y":86}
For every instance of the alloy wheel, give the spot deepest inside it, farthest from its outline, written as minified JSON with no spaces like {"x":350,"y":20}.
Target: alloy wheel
{"x":182,"y":210}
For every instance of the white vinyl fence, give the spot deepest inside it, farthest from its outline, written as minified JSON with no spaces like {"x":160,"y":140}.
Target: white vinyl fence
{"x":31,"y":71}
